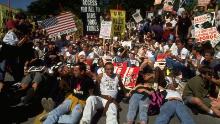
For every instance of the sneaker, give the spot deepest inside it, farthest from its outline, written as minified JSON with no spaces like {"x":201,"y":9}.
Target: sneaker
{"x":50,"y":104}
{"x":45,"y":104}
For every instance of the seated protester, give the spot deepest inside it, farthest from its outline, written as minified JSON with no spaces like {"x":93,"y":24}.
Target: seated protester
{"x":71,"y":109}
{"x":64,"y":88}
{"x":174,"y":77}
{"x":132,"y":61}
{"x":86,"y":50}
{"x":121,"y":55}
{"x":195,"y":59}
{"x":51,"y":55}
{"x":140,"y":96}
{"x":216,"y":101}
{"x":108,"y":82}
{"x":33,"y":76}
{"x":197,"y":90}
{"x":69,"y":55}
{"x":33,"y":79}
{"x":180,"y":61}
{"x":170,"y":46}
{"x":210,"y":60}
{"x":173,"y":105}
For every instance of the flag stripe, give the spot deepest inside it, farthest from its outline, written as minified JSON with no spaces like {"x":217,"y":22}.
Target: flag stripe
{"x":62,"y":28}
{"x":67,"y":28}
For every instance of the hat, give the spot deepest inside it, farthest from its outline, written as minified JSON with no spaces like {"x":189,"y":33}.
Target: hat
{"x":10,"y":24}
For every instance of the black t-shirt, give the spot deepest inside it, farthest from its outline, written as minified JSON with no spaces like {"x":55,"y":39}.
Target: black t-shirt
{"x":183,"y":25}
{"x":80,"y":87}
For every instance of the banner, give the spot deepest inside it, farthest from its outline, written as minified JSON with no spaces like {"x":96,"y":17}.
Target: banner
{"x":105,"y":31}
{"x":118,"y":22}
{"x":120,"y":68}
{"x":90,"y":12}
{"x":203,"y":2}
{"x":168,"y":5}
{"x":137,"y":17}
{"x":59,"y":25}
{"x":205,"y":27}
{"x":129,"y":75}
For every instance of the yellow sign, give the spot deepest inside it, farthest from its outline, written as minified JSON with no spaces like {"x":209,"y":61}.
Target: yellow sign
{"x":118,"y":22}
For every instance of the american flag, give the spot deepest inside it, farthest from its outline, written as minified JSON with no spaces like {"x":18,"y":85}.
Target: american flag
{"x":61,"y":24}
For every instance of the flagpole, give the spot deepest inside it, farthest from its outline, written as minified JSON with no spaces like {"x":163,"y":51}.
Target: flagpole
{"x":9,"y":7}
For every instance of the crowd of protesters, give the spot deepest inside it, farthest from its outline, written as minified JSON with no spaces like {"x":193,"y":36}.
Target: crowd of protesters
{"x":76,"y":79}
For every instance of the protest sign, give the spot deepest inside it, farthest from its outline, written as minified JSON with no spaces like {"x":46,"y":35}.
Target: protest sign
{"x":129,"y":75}
{"x":137,"y":17}
{"x":118,"y":22}
{"x":149,"y":15}
{"x":203,"y":2}
{"x":168,"y":5}
{"x":105,"y":31}
{"x":90,"y":12}
{"x":205,"y":29}
{"x":120,"y":68}
{"x":216,"y":41}
{"x":127,"y":44}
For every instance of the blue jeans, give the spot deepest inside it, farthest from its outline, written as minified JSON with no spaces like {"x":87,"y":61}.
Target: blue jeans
{"x":186,"y":72}
{"x":169,"y":108}
{"x":62,"y":114}
{"x":141,"y":101}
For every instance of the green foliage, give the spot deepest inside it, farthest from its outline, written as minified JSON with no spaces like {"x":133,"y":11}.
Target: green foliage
{"x":48,"y":7}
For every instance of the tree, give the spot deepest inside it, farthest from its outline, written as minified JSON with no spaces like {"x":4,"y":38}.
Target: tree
{"x":48,"y":7}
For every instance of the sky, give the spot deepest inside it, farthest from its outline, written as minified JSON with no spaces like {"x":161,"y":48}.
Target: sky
{"x":17,"y":3}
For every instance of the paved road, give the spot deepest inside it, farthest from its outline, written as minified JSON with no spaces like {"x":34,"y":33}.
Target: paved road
{"x":31,"y":112}
{"x":199,"y":119}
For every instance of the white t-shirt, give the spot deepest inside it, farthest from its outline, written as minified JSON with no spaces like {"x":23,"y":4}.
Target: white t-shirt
{"x":173,"y":93}
{"x":173,"y":49}
{"x":184,"y":53}
{"x":109,"y":86}
{"x":10,"y":38}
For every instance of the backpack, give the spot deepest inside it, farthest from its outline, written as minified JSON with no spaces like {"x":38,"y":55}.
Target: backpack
{"x":157,"y":100}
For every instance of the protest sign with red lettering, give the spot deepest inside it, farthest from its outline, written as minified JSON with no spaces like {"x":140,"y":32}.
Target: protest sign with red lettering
{"x":205,"y":29}
{"x":120,"y":68}
{"x":130,"y":77}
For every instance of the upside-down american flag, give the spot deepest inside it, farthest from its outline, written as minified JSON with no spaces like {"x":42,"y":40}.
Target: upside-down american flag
{"x":61,"y":24}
